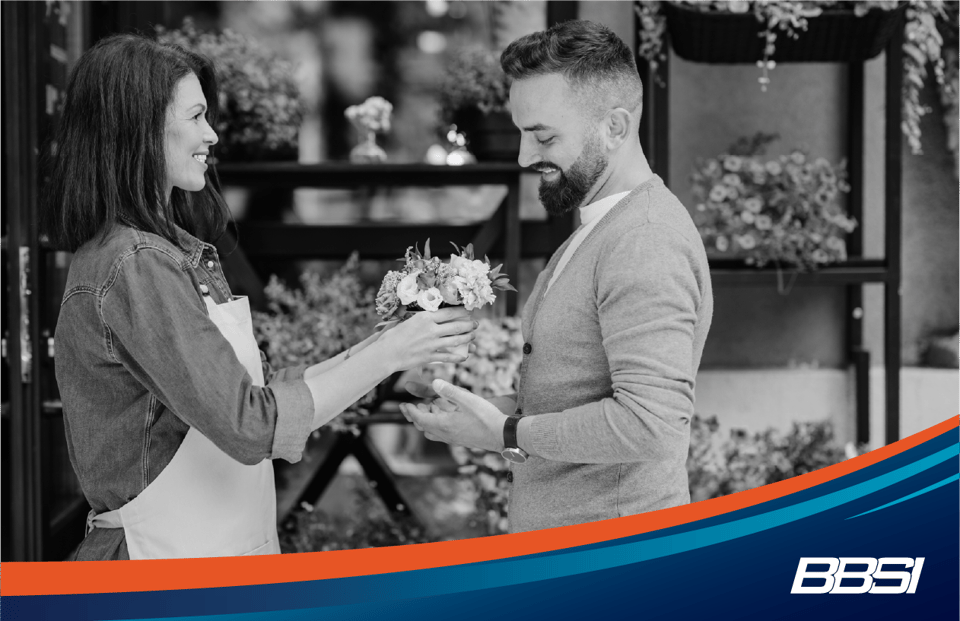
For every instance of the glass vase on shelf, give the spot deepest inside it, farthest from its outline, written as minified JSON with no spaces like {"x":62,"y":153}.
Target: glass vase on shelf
{"x":367,"y":150}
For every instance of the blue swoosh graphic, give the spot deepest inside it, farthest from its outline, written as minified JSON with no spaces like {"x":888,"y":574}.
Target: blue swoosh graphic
{"x":929,"y":488}
{"x":522,"y":570}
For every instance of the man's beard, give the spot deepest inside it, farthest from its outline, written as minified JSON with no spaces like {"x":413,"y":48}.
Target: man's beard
{"x":568,"y":191}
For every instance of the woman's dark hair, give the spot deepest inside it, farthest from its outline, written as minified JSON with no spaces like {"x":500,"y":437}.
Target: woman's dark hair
{"x":108,"y":163}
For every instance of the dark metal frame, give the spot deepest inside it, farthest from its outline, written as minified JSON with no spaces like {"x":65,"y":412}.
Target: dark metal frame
{"x":20,"y":83}
{"x":851,"y":274}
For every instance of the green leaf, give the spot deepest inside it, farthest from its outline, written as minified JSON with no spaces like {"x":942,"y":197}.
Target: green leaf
{"x":426,"y":249}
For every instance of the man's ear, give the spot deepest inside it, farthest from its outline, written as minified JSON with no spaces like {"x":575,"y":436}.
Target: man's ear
{"x":617,"y":127}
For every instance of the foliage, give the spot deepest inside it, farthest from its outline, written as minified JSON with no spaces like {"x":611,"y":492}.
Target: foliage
{"x":260,"y":105}
{"x":717,"y":466}
{"x":950,"y":29}
{"x":368,"y":525}
{"x":922,"y":42}
{"x":316,"y":321}
{"x":782,"y":210}
{"x":473,"y":79}
{"x":320,"y":319}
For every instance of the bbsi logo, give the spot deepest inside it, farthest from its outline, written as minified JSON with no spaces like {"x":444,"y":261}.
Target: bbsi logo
{"x":829,"y":580}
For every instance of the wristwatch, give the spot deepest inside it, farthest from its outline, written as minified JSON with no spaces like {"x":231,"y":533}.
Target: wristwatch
{"x":512,"y":452}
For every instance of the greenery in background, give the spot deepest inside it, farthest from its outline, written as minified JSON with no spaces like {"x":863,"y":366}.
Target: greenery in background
{"x":785,"y":210}
{"x":922,"y":46}
{"x":949,"y":95}
{"x":367,"y":525}
{"x":719,"y":465}
{"x":317,"y":320}
{"x":473,"y":79}
{"x":260,"y":104}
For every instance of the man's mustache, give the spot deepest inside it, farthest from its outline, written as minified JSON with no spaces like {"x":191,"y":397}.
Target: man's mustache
{"x":544,"y":166}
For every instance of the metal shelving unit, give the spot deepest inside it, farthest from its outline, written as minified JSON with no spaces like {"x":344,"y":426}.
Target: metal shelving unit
{"x":851,"y":274}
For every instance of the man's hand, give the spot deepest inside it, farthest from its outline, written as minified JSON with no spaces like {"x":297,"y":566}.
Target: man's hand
{"x":458,"y":417}
{"x":506,"y":404}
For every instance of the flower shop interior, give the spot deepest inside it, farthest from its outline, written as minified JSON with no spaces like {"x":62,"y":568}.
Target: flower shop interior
{"x":352,"y":130}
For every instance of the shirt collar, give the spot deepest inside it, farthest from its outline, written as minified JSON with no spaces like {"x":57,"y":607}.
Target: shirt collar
{"x":192,"y":247}
{"x":591,"y":212}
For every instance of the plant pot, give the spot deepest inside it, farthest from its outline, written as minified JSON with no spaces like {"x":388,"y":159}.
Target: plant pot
{"x":492,"y":137}
{"x":836,"y":35}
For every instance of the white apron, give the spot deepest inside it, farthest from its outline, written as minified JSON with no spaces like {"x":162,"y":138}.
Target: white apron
{"x":205,"y":503}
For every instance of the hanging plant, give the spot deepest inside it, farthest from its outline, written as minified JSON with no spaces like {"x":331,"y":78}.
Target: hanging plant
{"x":856,"y":31}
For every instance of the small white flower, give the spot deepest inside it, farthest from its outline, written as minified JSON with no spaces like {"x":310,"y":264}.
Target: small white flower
{"x":718,"y":193}
{"x":430,"y":299}
{"x":408,"y":289}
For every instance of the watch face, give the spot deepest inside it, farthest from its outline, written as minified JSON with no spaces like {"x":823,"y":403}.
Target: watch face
{"x":516,"y":455}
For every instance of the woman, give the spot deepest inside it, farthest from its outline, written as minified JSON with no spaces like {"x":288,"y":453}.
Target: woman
{"x":169,"y":425}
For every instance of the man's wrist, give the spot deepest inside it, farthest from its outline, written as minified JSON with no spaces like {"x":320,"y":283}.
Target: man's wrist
{"x":497,"y":433}
{"x":507,"y":405}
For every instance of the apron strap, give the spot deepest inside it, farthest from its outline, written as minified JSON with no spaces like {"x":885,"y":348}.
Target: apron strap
{"x":108,"y":519}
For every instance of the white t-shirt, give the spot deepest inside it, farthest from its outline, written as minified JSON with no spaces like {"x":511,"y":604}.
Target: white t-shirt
{"x":589,"y":216}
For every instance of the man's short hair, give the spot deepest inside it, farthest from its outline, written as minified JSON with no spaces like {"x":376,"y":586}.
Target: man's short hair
{"x":596,"y":63}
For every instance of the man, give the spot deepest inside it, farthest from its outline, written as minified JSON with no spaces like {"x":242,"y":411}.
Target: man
{"x":616,"y":323}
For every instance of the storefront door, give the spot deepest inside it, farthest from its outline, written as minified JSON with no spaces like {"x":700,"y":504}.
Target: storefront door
{"x":43,"y":508}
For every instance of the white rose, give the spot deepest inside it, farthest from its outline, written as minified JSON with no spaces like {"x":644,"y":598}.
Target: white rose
{"x":448,"y":291}
{"x":456,"y":261}
{"x":408,"y":289}
{"x":429,"y":300}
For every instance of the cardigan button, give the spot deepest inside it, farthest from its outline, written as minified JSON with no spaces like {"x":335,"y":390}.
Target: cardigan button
{"x":204,"y":289}
{"x":527,"y":348}
{"x":210,"y":264}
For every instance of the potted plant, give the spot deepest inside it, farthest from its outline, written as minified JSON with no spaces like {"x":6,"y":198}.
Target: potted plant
{"x":317,"y":320}
{"x":784,"y":210}
{"x":474,"y":96}
{"x":369,"y":118}
{"x":260,"y":104}
{"x":741,"y":31}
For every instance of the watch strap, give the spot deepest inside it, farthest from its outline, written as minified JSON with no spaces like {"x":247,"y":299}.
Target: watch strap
{"x":510,"y":432}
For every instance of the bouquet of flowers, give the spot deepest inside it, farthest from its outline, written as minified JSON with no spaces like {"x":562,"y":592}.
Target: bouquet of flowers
{"x":783,"y":210}
{"x":426,"y":283}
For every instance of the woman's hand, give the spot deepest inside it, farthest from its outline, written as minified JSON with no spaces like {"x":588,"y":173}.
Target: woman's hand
{"x":425,"y":338}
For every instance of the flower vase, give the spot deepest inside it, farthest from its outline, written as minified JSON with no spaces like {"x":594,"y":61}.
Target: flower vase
{"x":368,"y":151}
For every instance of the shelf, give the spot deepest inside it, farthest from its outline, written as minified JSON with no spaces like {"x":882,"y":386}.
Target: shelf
{"x":344,"y":175}
{"x":378,"y":240}
{"x":853,"y":272}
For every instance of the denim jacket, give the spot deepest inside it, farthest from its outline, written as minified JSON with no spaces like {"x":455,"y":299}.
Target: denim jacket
{"x":139,"y":362}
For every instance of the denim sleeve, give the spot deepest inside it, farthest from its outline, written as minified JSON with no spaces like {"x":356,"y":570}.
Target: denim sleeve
{"x":280,"y":375}
{"x":156,"y":325}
